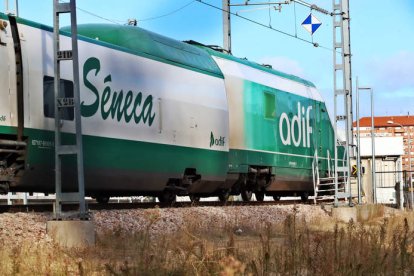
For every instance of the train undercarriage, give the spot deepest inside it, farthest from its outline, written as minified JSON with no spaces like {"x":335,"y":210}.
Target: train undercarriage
{"x":12,"y":161}
{"x":256,"y":181}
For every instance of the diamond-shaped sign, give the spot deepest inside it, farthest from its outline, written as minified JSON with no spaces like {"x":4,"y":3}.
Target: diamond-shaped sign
{"x":311,"y":24}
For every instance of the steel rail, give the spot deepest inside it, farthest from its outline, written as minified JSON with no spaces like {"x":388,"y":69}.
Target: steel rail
{"x":48,"y":206}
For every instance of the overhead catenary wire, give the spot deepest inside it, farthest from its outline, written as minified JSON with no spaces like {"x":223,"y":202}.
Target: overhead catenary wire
{"x":256,"y":9}
{"x":268,"y":27}
{"x":312,"y":7}
{"x":168,"y":13}
{"x":121,"y":22}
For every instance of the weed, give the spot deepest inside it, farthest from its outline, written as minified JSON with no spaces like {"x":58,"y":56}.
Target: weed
{"x":294,"y":248}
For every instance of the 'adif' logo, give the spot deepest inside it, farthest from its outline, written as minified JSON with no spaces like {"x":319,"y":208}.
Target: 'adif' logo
{"x":217,"y":142}
{"x":298,"y":130}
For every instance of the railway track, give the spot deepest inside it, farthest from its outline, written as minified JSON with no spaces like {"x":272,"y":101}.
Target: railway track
{"x":48,"y":206}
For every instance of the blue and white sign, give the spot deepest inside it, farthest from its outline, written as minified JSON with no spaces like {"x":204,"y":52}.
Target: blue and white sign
{"x":311,"y":24}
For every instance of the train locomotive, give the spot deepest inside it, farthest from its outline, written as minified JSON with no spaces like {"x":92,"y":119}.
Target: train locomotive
{"x":160,"y":117}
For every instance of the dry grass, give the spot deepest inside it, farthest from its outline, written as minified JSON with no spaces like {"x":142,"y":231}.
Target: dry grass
{"x":292,"y":248}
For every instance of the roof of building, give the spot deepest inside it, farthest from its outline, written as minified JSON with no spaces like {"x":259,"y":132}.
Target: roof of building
{"x":382,"y":121}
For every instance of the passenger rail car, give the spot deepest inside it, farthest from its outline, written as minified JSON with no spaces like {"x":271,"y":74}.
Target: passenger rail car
{"x":160,"y":117}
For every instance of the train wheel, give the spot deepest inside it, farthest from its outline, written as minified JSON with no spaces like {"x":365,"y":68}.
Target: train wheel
{"x":167,"y":197}
{"x":194,"y":198}
{"x":304,"y":197}
{"x":102,"y":199}
{"x":259,"y":195}
{"x":224,"y":196}
{"x":276,"y":197}
{"x":246,"y":195}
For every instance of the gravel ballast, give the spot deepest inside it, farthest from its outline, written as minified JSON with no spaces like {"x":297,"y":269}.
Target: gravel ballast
{"x":31,"y":227}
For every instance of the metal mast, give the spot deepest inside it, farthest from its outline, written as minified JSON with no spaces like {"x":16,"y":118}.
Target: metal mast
{"x":342,"y":73}
{"x":226,"y":26}
{"x":16,"y":7}
{"x":61,"y":103}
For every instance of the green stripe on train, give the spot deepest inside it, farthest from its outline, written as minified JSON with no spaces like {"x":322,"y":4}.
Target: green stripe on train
{"x":102,"y":152}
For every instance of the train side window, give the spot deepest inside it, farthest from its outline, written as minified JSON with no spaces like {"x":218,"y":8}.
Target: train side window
{"x":49,"y":98}
{"x":269,"y":106}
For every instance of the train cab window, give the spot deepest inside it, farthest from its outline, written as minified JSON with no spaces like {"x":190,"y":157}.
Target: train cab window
{"x":269,"y":106}
{"x":49,"y":98}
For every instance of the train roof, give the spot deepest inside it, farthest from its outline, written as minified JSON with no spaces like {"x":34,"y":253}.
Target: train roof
{"x":213,"y":50}
{"x":145,"y":43}
{"x":191,"y":55}
{"x":140,"y":42}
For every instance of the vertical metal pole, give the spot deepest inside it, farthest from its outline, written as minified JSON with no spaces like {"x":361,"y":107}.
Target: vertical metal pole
{"x":374,"y":184}
{"x":400,"y":178}
{"x":409,"y":169}
{"x":347,"y":79}
{"x":7,"y":7}
{"x":341,"y":12}
{"x":79,"y":156}
{"x":358,"y":148}
{"x":226,"y":26}
{"x":334,"y":17}
{"x":56,"y":47}
{"x":16,"y":6}
{"x":77,"y":149}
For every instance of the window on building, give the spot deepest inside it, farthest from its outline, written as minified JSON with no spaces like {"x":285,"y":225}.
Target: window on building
{"x":269,"y":106}
{"x":49,"y":98}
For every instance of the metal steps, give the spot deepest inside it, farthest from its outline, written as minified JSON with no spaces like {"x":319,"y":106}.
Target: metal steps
{"x":331,"y":186}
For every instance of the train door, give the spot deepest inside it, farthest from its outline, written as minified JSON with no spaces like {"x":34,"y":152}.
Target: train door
{"x":317,"y":128}
{"x":8,"y":99}
{"x":16,"y":78}
{"x":321,"y":137}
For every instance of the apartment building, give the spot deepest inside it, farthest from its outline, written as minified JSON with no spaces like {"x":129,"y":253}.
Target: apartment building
{"x":392,"y":126}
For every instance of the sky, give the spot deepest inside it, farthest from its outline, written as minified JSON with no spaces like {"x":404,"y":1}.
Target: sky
{"x":382,"y":39}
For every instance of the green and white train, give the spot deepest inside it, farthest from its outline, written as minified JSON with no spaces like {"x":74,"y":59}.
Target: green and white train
{"x":160,"y":117}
